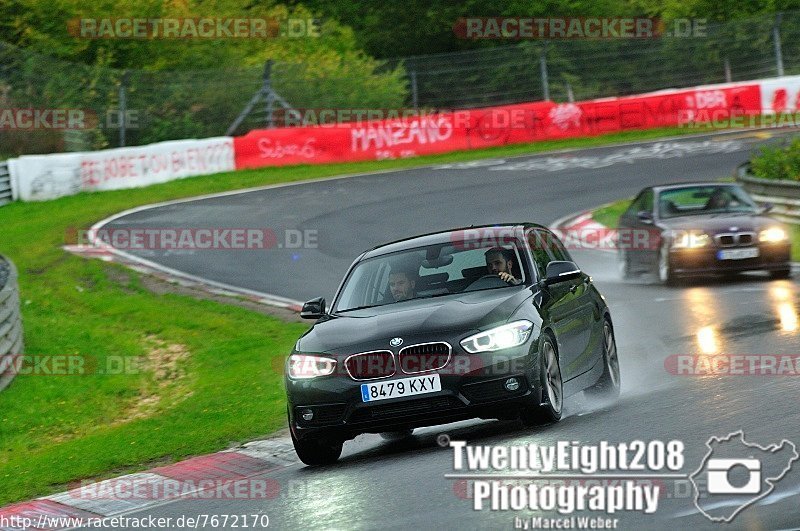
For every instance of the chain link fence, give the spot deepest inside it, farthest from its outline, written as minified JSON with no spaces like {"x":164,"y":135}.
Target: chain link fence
{"x":139,"y":107}
{"x":584,"y":69}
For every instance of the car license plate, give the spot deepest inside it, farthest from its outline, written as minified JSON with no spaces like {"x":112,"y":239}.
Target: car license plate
{"x":737,"y":254}
{"x":418,"y":385}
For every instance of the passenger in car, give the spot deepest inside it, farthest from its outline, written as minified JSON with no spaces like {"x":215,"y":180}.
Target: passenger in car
{"x":402,"y":284}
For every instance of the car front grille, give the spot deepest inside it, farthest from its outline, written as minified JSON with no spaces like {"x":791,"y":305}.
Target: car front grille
{"x":735,"y":238}
{"x":370,"y":365}
{"x":424,"y":357}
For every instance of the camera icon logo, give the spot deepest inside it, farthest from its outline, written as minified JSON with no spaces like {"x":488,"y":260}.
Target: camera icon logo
{"x":719,"y":471}
{"x":735,"y":474}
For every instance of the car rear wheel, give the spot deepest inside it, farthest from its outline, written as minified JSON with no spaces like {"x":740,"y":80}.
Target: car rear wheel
{"x":609,"y":384}
{"x":316,"y":452}
{"x":552,"y":386}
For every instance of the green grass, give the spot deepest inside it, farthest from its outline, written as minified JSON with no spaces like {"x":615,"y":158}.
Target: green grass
{"x":794,"y":234}
{"x":59,"y":429}
{"x":609,"y":214}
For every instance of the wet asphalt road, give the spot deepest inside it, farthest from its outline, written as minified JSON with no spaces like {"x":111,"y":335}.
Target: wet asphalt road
{"x":378,"y":484}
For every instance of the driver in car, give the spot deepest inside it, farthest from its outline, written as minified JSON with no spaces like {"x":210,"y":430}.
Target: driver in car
{"x":718,"y":200}
{"x":402,"y":284}
{"x":500,"y":262}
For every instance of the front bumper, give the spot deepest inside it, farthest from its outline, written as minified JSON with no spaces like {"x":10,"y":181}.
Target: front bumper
{"x":689,"y":262}
{"x":339,"y":411}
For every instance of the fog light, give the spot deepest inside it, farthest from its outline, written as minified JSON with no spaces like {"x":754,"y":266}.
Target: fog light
{"x":307,"y":414}
{"x":512,"y":384}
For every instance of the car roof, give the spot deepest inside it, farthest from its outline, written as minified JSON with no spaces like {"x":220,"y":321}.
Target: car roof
{"x":434,"y":238}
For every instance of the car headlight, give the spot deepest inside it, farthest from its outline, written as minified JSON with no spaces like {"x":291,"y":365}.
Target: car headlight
{"x":772,"y":235}
{"x":306,"y":366}
{"x":691,"y":239}
{"x":506,"y":336}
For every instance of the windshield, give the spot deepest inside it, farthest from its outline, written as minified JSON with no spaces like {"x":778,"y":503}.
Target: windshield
{"x":431,"y":271}
{"x":708,"y":199}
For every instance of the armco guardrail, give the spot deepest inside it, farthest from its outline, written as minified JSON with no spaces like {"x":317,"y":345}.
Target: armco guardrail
{"x":784,"y":195}
{"x":5,"y":184}
{"x":11,"y":343}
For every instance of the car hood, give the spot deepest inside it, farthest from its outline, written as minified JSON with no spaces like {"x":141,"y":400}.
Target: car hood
{"x":717,"y":223}
{"x":415,"y":321}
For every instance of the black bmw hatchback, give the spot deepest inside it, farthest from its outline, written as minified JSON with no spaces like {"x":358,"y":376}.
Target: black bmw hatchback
{"x":482,"y":322}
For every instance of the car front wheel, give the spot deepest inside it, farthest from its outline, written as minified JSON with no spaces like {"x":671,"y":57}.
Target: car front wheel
{"x":316,"y":452}
{"x":552,"y":386}
{"x":665,"y":274}
{"x":624,"y":264}
{"x":609,"y":384}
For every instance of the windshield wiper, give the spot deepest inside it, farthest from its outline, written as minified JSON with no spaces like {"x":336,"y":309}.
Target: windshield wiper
{"x":434,"y":295}
{"x":388,"y":303}
{"x":360,"y":308}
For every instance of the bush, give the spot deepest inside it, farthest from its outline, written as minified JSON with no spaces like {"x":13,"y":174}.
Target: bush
{"x":781,"y":163}
{"x":180,"y":89}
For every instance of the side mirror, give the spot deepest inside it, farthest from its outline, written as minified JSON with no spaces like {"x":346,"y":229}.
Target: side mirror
{"x":561,"y":271}
{"x":767,"y":207}
{"x":645,"y":217}
{"x":313,"y":309}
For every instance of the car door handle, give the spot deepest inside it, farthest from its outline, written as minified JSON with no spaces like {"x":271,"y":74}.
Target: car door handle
{"x":573,"y":288}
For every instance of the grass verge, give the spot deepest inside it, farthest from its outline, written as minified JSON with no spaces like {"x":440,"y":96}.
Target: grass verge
{"x":200,"y":375}
{"x":609,"y":214}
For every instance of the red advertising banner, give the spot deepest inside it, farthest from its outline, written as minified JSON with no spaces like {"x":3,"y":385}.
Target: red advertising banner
{"x":447,"y":131}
